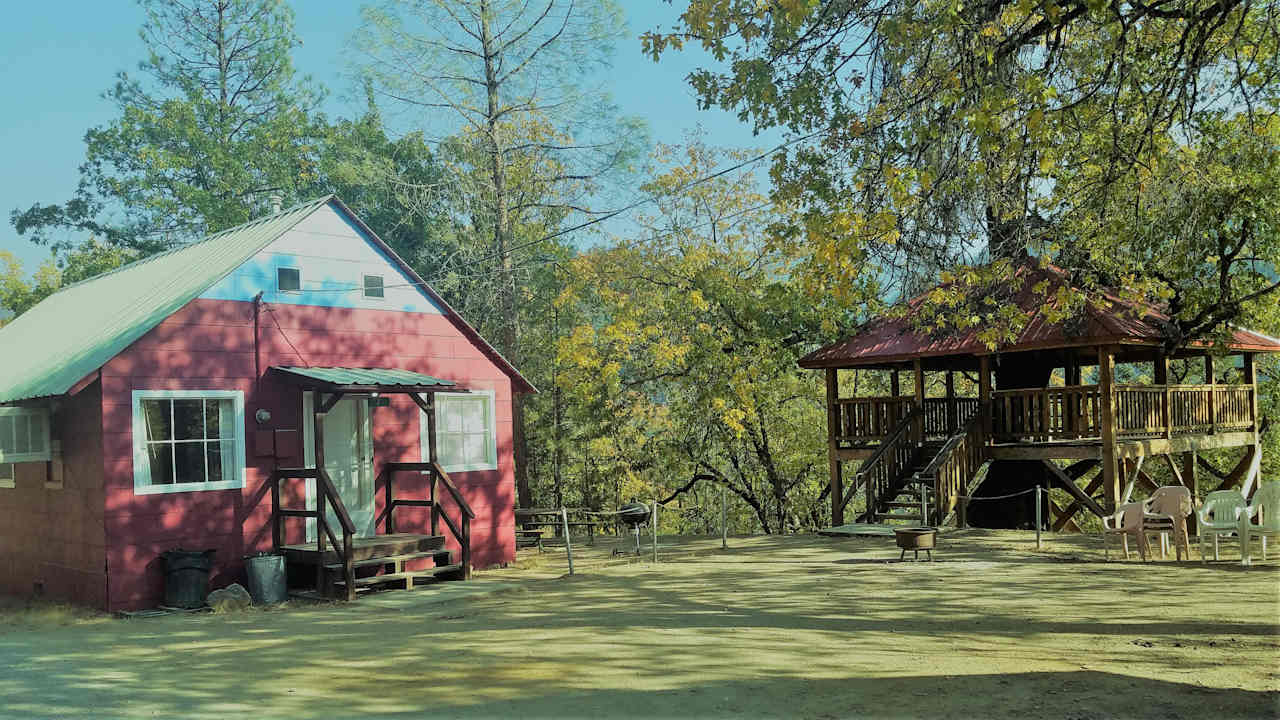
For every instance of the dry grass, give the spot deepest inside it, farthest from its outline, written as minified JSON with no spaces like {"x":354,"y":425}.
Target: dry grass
{"x":775,"y":627}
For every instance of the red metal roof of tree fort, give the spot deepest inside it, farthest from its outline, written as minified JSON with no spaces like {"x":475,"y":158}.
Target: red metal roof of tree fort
{"x":896,"y":338}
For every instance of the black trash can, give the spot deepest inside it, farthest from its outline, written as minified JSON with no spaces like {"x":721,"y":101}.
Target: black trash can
{"x":267,"y":583}
{"x":186,"y":577}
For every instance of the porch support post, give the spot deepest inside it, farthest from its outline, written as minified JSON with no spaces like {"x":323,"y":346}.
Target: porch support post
{"x":918,"y":367}
{"x":984,"y":393}
{"x":1161,"y":371}
{"x":953,"y":413}
{"x":894,"y":388}
{"x":1110,"y":479}
{"x":1249,"y":369}
{"x":1211,"y":379}
{"x":833,"y":458}
{"x":317,"y":442}
{"x":428,"y":407}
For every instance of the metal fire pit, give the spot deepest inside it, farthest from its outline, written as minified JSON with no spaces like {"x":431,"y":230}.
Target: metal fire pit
{"x":916,"y":539}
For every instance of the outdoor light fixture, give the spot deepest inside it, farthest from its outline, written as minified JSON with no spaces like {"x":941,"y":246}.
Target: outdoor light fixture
{"x":263,"y":416}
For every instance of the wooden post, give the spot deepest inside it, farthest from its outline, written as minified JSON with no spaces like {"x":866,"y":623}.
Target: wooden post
{"x":317,"y":433}
{"x":724,"y":519}
{"x":918,"y":369}
{"x":953,"y":412}
{"x":984,"y":393}
{"x":833,"y":448}
{"x":893,"y":384}
{"x":1162,"y":378}
{"x":568,"y":544}
{"x":1211,"y":379}
{"x":1110,"y":480}
{"x":429,"y":411}
{"x":1249,"y":369}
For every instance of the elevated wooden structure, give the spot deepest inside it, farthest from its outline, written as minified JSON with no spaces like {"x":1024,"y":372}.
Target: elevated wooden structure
{"x":916,"y":456}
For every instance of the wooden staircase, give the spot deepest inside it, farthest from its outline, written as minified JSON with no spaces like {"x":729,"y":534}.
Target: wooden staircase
{"x":916,"y":479}
{"x":902,"y":500}
{"x":346,"y":565}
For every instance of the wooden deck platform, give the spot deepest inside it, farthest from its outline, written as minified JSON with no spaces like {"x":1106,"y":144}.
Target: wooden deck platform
{"x":365,"y":548}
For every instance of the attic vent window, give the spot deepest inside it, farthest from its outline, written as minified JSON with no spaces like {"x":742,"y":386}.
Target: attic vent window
{"x":288,"y":279}
{"x":373,"y":287}
{"x":24,"y":435}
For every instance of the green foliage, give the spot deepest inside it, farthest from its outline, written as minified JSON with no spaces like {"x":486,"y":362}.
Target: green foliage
{"x":684,"y":363}
{"x":214,"y":122}
{"x":943,"y":133}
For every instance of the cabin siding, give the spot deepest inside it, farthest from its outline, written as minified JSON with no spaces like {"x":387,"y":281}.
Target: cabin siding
{"x":52,"y":538}
{"x":209,"y":345}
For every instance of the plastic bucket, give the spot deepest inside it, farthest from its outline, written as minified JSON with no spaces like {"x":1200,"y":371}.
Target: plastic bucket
{"x":267,"y":583}
{"x":186,"y":577}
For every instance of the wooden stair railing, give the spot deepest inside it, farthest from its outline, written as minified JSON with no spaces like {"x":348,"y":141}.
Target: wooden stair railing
{"x":879,"y":472}
{"x":955,"y":466}
{"x":326,"y":492}
{"x":461,"y":530}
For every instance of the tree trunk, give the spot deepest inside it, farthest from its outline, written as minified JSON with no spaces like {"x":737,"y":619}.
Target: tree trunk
{"x":509,"y":329}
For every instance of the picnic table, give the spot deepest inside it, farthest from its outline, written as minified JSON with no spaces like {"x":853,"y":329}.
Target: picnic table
{"x":529,"y":518}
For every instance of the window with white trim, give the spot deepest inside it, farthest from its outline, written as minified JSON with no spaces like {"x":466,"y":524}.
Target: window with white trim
{"x":24,"y":434}
{"x":187,"y":440}
{"x":288,"y":279}
{"x":7,"y":475}
{"x":465,"y":431}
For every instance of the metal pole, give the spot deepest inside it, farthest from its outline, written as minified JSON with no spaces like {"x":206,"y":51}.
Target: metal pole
{"x":724,"y":514}
{"x":1038,"y":517}
{"x":568,"y":544}
{"x":653,"y":520}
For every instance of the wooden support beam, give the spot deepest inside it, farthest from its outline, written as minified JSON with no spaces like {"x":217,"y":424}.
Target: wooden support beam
{"x":1211,"y":378}
{"x":1166,"y":402}
{"x":918,"y":367}
{"x":894,"y":386}
{"x":1067,"y":483}
{"x":984,"y":393}
{"x":1077,"y":506}
{"x":1190,"y":478}
{"x":1063,"y":521}
{"x":1106,"y":373}
{"x":1249,"y":369}
{"x":1078,"y":469}
{"x":833,"y":456}
{"x":1241,"y":471}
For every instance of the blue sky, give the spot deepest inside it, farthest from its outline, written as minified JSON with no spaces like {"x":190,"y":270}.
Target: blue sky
{"x":54,"y":66}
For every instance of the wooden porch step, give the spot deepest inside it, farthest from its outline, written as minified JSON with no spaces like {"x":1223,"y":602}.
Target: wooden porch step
{"x":408,"y":576}
{"x":898,"y":516}
{"x":363,"y":548}
{"x":441,"y":557}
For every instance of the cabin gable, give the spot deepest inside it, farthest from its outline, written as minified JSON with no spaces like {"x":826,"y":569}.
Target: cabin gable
{"x":332,"y":255}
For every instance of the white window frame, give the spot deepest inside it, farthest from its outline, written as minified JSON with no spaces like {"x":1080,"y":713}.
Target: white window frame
{"x":288,"y":267}
{"x":492,"y":447}
{"x":40,"y":414}
{"x":12,"y":480}
{"x":142,"y":466}
{"x":364,"y":286}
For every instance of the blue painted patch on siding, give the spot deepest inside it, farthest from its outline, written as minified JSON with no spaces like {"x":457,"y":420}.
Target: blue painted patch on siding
{"x":333,"y":256}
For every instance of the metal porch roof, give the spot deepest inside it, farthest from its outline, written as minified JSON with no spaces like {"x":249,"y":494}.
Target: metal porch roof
{"x":367,"y":379}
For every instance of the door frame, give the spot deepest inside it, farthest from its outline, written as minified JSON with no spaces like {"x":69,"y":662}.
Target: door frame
{"x":363,"y":426}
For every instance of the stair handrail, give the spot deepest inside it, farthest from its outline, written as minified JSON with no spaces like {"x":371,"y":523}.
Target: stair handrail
{"x":956,"y":464}
{"x":889,"y":451}
{"x":326,"y":491}
{"x":461,"y":530}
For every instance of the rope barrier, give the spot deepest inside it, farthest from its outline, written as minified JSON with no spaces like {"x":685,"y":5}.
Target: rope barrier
{"x":972,"y":498}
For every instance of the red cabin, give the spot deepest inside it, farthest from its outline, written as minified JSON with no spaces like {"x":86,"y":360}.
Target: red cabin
{"x":290,"y":384}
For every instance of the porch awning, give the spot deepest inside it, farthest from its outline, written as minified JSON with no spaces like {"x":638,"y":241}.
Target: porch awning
{"x":364,"y":380}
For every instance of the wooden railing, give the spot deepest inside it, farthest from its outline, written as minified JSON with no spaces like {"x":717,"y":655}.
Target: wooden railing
{"x":437,"y":477}
{"x":1075,"y":412}
{"x":1043,"y":414}
{"x":863,"y":421}
{"x":954,"y":467}
{"x":879,"y":472}
{"x":326,"y":493}
{"x":866,"y":421}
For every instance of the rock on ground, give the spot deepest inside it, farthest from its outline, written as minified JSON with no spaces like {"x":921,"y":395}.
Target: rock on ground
{"x":230,"y":599}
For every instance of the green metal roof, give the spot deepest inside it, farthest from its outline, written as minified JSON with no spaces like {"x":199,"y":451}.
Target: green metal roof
{"x":368,"y":377}
{"x":70,"y":334}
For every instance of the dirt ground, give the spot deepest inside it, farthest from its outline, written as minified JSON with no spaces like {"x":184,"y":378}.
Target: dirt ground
{"x":803,"y":627}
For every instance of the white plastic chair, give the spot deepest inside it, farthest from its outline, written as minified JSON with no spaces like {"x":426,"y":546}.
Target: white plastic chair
{"x":1219,"y":517}
{"x":1125,"y":521}
{"x":1166,"y":512}
{"x":1262,"y":518}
